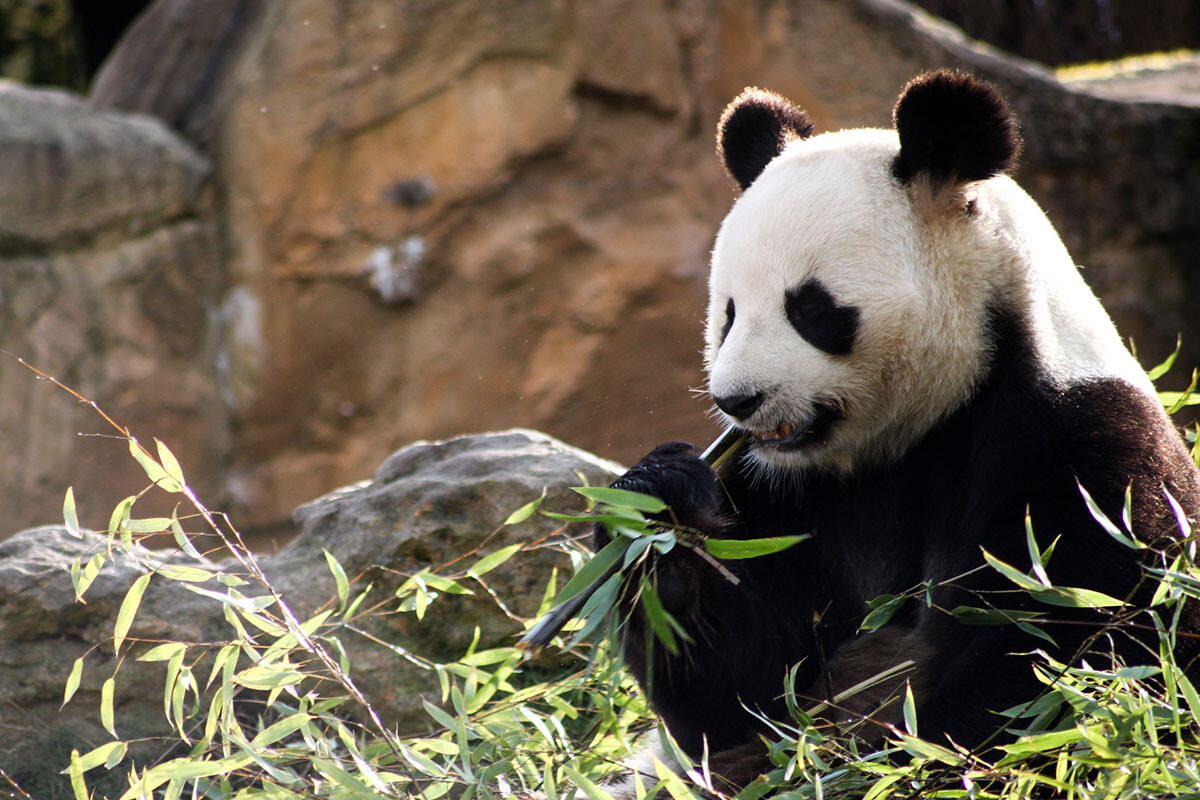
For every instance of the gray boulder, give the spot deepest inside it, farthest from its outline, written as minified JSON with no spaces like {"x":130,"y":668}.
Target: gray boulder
{"x":427,"y":505}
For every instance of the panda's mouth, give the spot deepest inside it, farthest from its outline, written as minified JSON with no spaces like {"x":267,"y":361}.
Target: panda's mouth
{"x":789,"y":436}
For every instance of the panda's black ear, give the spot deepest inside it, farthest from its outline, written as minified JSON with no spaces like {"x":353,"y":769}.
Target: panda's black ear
{"x":954,"y":128}
{"x":755,"y":128}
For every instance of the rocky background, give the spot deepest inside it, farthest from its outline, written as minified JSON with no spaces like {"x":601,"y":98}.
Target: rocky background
{"x":212,"y":244}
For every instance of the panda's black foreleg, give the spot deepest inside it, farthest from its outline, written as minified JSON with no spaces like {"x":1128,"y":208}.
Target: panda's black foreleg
{"x":736,"y":650}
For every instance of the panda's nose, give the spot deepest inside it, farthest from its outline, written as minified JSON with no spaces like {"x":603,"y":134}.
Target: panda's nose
{"x":740,"y":406}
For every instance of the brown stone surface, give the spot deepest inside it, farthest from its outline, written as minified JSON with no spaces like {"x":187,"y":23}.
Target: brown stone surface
{"x":109,"y":266}
{"x":576,"y":195}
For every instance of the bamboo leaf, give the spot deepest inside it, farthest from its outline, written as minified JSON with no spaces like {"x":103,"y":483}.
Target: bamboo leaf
{"x":107,"y":755}
{"x":493,"y":560}
{"x":622,"y":498}
{"x":910,"y":710}
{"x":1035,"y":555}
{"x":883,"y":608}
{"x":154,"y":471}
{"x":595,"y":567}
{"x":526,"y":511}
{"x":280,"y":730}
{"x":169,"y":463}
{"x":70,"y":518}
{"x":177,"y":572}
{"x":106,"y":706}
{"x":75,"y":771}
{"x":1107,"y":524}
{"x":129,"y":607}
{"x":73,"y":681}
{"x":163,"y":652}
{"x":339,"y":578}
{"x":750,"y":548}
{"x":657,"y":616}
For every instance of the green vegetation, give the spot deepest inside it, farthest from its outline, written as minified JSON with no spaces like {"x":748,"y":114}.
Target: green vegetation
{"x":272,"y":711}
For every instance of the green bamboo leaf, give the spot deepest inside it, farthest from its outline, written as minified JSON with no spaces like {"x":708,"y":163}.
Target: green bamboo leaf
{"x":70,"y":518}
{"x":622,"y":498}
{"x":883,"y":608}
{"x":120,"y":515}
{"x":1013,"y":574}
{"x":169,"y":463}
{"x":268,"y":677}
{"x":1070,"y":597}
{"x":657,"y":616}
{"x":82,"y":579}
{"x":1159,"y":370}
{"x":597,"y":608}
{"x":177,"y":572}
{"x":73,"y":681}
{"x":148,"y":525}
{"x":129,"y":607}
{"x":339,"y":578}
{"x":493,"y":560}
{"x":163,"y":652}
{"x":750,"y":548}
{"x":444,"y":584}
{"x":1035,"y":555}
{"x":596,"y":566}
{"x":910,"y":710}
{"x":181,"y":538}
{"x":526,"y":511}
{"x":280,"y":730}
{"x":107,"y":755}
{"x":154,"y":471}
{"x":1107,"y":524}
{"x":106,"y":706}
{"x":75,"y":771}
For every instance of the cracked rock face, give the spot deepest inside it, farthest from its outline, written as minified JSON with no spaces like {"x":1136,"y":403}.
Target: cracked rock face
{"x":427,"y":504}
{"x":288,"y":333}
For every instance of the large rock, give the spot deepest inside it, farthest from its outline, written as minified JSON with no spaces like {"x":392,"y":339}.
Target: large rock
{"x":426,"y":506}
{"x":558,"y":278}
{"x":109,"y":272}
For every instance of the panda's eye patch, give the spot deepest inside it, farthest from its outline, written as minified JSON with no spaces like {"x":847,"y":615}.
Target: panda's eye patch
{"x":728,"y":320}
{"x":820,"y":320}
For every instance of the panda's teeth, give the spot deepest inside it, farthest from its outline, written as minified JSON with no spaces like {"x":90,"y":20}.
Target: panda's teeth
{"x":784,"y":430}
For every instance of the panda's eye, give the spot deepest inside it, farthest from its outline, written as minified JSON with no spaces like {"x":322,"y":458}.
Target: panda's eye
{"x":820,"y":319}
{"x":728,"y":320}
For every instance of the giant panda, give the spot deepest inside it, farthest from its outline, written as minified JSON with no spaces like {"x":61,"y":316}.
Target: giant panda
{"x":919,"y":365}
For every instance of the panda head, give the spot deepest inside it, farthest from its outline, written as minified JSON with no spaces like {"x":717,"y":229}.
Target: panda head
{"x":851,"y":281}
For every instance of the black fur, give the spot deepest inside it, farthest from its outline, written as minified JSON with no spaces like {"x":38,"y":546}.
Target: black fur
{"x":964,"y":487}
{"x":729,"y":315}
{"x":954,"y":128}
{"x":820,"y":320}
{"x":755,"y":128}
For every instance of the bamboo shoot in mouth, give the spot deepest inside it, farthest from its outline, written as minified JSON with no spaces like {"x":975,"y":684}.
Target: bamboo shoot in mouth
{"x":721,"y":450}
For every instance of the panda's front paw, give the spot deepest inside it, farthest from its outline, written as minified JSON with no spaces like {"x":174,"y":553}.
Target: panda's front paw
{"x":675,"y":474}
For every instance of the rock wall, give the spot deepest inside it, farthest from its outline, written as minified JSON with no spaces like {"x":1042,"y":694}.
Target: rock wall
{"x":110,"y":261}
{"x":556,"y":276}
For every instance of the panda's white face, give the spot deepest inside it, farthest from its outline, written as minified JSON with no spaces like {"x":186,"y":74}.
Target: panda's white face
{"x":842,"y":324}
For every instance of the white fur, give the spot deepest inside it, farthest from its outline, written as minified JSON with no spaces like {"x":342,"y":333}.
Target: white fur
{"x":922,"y":274}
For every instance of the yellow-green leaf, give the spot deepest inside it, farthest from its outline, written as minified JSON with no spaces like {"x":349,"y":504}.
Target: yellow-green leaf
{"x":106,"y":706}
{"x":107,"y":755}
{"x":622,"y":498}
{"x":69,"y":516}
{"x":750,"y":548}
{"x":493,"y":560}
{"x":526,"y":511}
{"x":75,"y":770}
{"x":73,"y":680}
{"x":339,"y":578}
{"x":177,"y":572}
{"x":169,"y":463}
{"x":129,"y":607}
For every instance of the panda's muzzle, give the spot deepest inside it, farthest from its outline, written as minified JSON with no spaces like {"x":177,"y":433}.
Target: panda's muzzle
{"x":805,"y":433}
